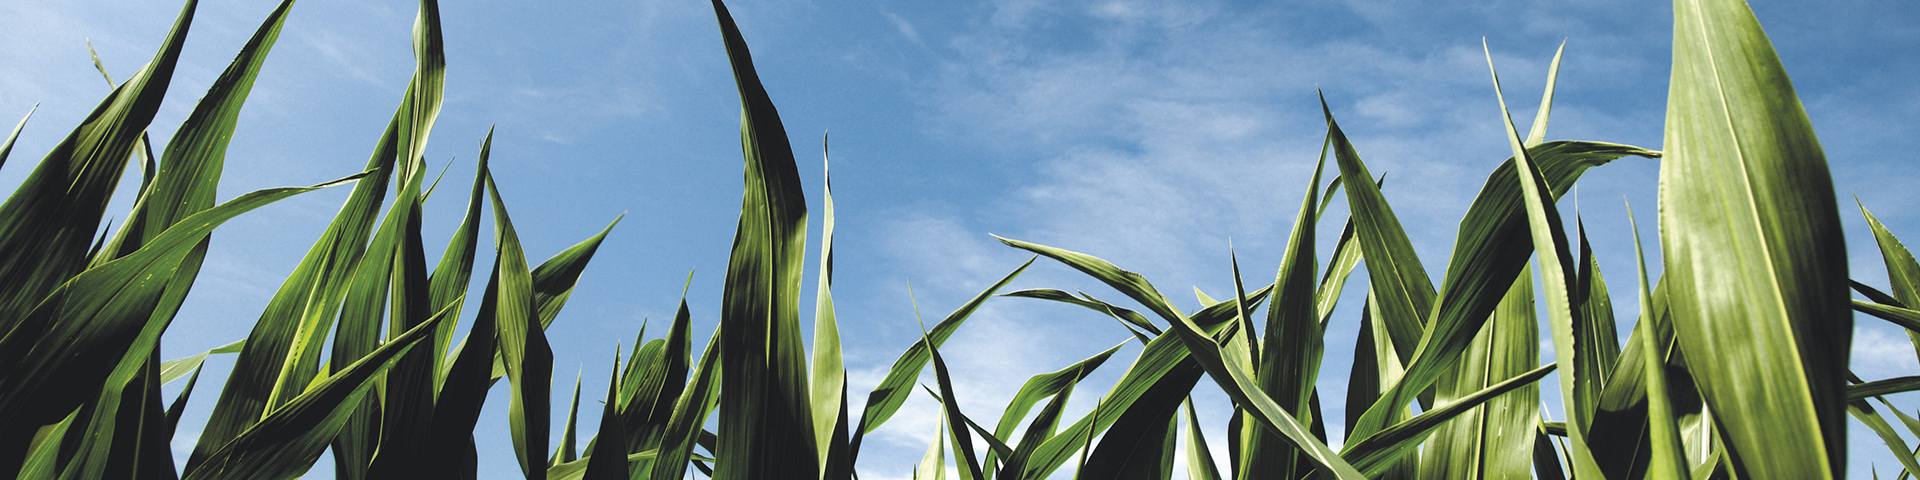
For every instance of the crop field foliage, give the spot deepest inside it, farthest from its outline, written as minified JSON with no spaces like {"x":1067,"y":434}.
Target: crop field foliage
{"x":382,"y":354}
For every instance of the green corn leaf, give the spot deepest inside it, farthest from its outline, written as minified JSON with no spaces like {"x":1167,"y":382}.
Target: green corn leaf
{"x":553,"y":283}
{"x":179,"y":405}
{"x":171,"y":370}
{"x":1205,"y":301}
{"x":465,"y":390}
{"x":1875,"y":294}
{"x":282,"y":352}
{"x":690,"y":411}
{"x":650,"y":407}
{"x":1364,"y":382}
{"x":1557,"y":279}
{"x":1538,"y":132}
{"x":569,"y":448}
{"x":126,"y":435}
{"x":1902,"y":271}
{"x":48,"y":223}
{"x":1751,"y":238}
{"x":1126,"y":316}
{"x":455,"y":271}
{"x":1057,"y":385}
{"x":1290,"y":353}
{"x":1596,"y":342}
{"x":1862,"y":411}
{"x":1039,"y":431}
{"x":607,"y":458}
{"x":1480,"y":443}
{"x":766,"y":422}
{"x":1906,"y":318}
{"x":956,"y":422}
{"x":1131,"y":284}
{"x":7,"y":148}
{"x":408,"y":399}
{"x":933,"y":465}
{"x":886,"y":398}
{"x":554,"y":279}
{"x":1163,"y":367}
{"x":287,"y":442}
{"x":1668,"y":455}
{"x":1240,"y":385}
{"x":106,"y":309}
{"x":1378,"y":451}
{"x":1619,"y":437}
{"x":1199,"y":459}
{"x":1140,"y":444}
{"x":43,"y":457}
{"x":1883,"y":387}
{"x":1047,"y":385}
{"x":829,"y":378}
{"x":190,"y":166}
{"x":1493,"y":245}
{"x":1546,"y":462}
{"x":523,"y":345}
{"x":1403,"y":295}
{"x":1346,"y":256}
{"x":1237,"y":381}
{"x":363,"y":311}
{"x":577,"y":469}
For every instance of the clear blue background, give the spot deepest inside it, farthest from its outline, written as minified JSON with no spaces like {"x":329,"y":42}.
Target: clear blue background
{"x":1147,"y":133}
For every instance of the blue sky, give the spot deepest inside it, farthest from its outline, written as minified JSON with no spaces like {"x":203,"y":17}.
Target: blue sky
{"x":1147,"y":133}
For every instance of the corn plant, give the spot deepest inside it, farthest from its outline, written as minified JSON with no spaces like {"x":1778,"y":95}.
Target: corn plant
{"x":84,"y":317}
{"x":1442,"y":386}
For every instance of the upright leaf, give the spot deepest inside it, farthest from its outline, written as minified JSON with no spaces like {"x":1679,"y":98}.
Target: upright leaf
{"x":286,"y":443}
{"x":283,"y":350}
{"x":766,"y":424}
{"x":829,"y":377}
{"x":48,"y":223}
{"x":523,"y":346}
{"x":7,"y":147}
{"x":1751,"y":239}
{"x":1290,"y":353}
{"x":1557,"y":278}
{"x":1489,"y":441}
